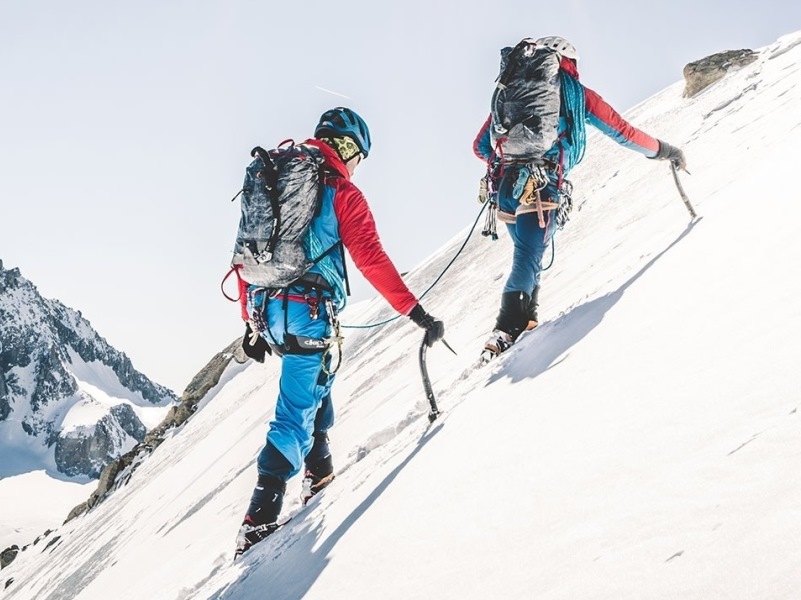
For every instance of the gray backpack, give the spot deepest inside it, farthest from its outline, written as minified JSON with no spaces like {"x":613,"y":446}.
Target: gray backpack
{"x":280,"y":197}
{"x":526,"y":103}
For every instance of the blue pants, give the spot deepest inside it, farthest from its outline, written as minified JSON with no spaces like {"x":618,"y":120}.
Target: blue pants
{"x":529,"y":239}
{"x":303,"y":410}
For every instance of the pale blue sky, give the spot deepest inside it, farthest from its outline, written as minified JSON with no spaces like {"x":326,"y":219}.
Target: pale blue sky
{"x":125,"y":129}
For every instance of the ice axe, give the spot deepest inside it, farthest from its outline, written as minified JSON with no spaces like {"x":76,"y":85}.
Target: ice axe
{"x":432,"y":401}
{"x":674,"y":169}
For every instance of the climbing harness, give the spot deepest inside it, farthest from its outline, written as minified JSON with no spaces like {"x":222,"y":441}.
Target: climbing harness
{"x":531,"y":180}
{"x":313,"y":297}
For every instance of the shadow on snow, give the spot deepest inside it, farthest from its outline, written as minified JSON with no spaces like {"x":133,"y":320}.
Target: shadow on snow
{"x":558,"y":337}
{"x":293,"y":564}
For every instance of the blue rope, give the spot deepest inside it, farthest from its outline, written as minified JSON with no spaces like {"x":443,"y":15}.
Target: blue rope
{"x":575,"y":108}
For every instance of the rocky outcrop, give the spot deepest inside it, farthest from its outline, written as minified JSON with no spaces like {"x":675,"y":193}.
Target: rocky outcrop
{"x":8,"y":555}
{"x":117,"y":473}
{"x":702,"y":73}
{"x":86,"y":453}
{"x":5,"y":405}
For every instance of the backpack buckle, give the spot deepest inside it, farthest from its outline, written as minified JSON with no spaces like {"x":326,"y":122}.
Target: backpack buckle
{"x":263,"y":257}
{"x":260,"y":256}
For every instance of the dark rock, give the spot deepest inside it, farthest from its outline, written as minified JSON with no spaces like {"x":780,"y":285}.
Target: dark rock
{"x":77,"y":511}
{"x":8,"y":555}
{"x":52,"y":543}
{"x":87,"y":451}
{"x":128,"y":421}
{"x":702,"y":73}
{"x":41,"y":537}
{"x":53,"y":381}
{"x":5,"y":399}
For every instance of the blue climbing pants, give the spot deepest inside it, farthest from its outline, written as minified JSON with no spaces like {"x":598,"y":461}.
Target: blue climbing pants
{"x":303,"y":411}
{"x":529,"y":239}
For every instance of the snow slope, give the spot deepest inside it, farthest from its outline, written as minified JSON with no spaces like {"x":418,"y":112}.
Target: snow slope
{"x":642,"y":443}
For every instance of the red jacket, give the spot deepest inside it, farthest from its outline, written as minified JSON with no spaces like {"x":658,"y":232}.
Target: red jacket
{"x":360,"y":236}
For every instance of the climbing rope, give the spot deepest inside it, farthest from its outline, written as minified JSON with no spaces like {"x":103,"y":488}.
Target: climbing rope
{"x":436,"y":281}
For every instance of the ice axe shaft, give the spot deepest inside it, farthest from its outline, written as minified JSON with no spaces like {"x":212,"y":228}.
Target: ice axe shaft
{"x":682,"y":193}
{"x":432,"y":401}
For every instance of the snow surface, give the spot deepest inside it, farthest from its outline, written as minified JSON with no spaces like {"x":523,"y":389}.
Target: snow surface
{"x":47,"y":502}
{"x":643,"y":442}
{"x":99,"y":391}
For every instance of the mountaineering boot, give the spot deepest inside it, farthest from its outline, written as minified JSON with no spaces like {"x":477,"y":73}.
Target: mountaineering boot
{"x":319,"y":469}
{"x":251,"y":534}
{"x":531,"y":310}
{"x":262,"y":516}
{"x":511,"y":322}
{"x":513,"y":315}
{"x":498,"y":342}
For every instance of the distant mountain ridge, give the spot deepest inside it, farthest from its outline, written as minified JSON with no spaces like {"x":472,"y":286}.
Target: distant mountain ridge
{"x":67,"y":397}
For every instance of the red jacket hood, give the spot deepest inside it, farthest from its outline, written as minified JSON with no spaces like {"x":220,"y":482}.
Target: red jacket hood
{"x":330,"y":157}
{"x":569,"y":65}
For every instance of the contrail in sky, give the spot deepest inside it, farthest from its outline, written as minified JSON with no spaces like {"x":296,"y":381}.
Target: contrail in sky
{"x":322,"y":89}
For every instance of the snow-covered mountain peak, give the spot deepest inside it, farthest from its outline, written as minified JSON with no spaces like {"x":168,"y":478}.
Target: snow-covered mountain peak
{"x":69,"y":402}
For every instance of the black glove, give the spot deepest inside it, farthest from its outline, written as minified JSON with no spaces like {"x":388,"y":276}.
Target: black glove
{"x":255,"y":346}
{"x":671,"y":153}
{"x":435,"y":328}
